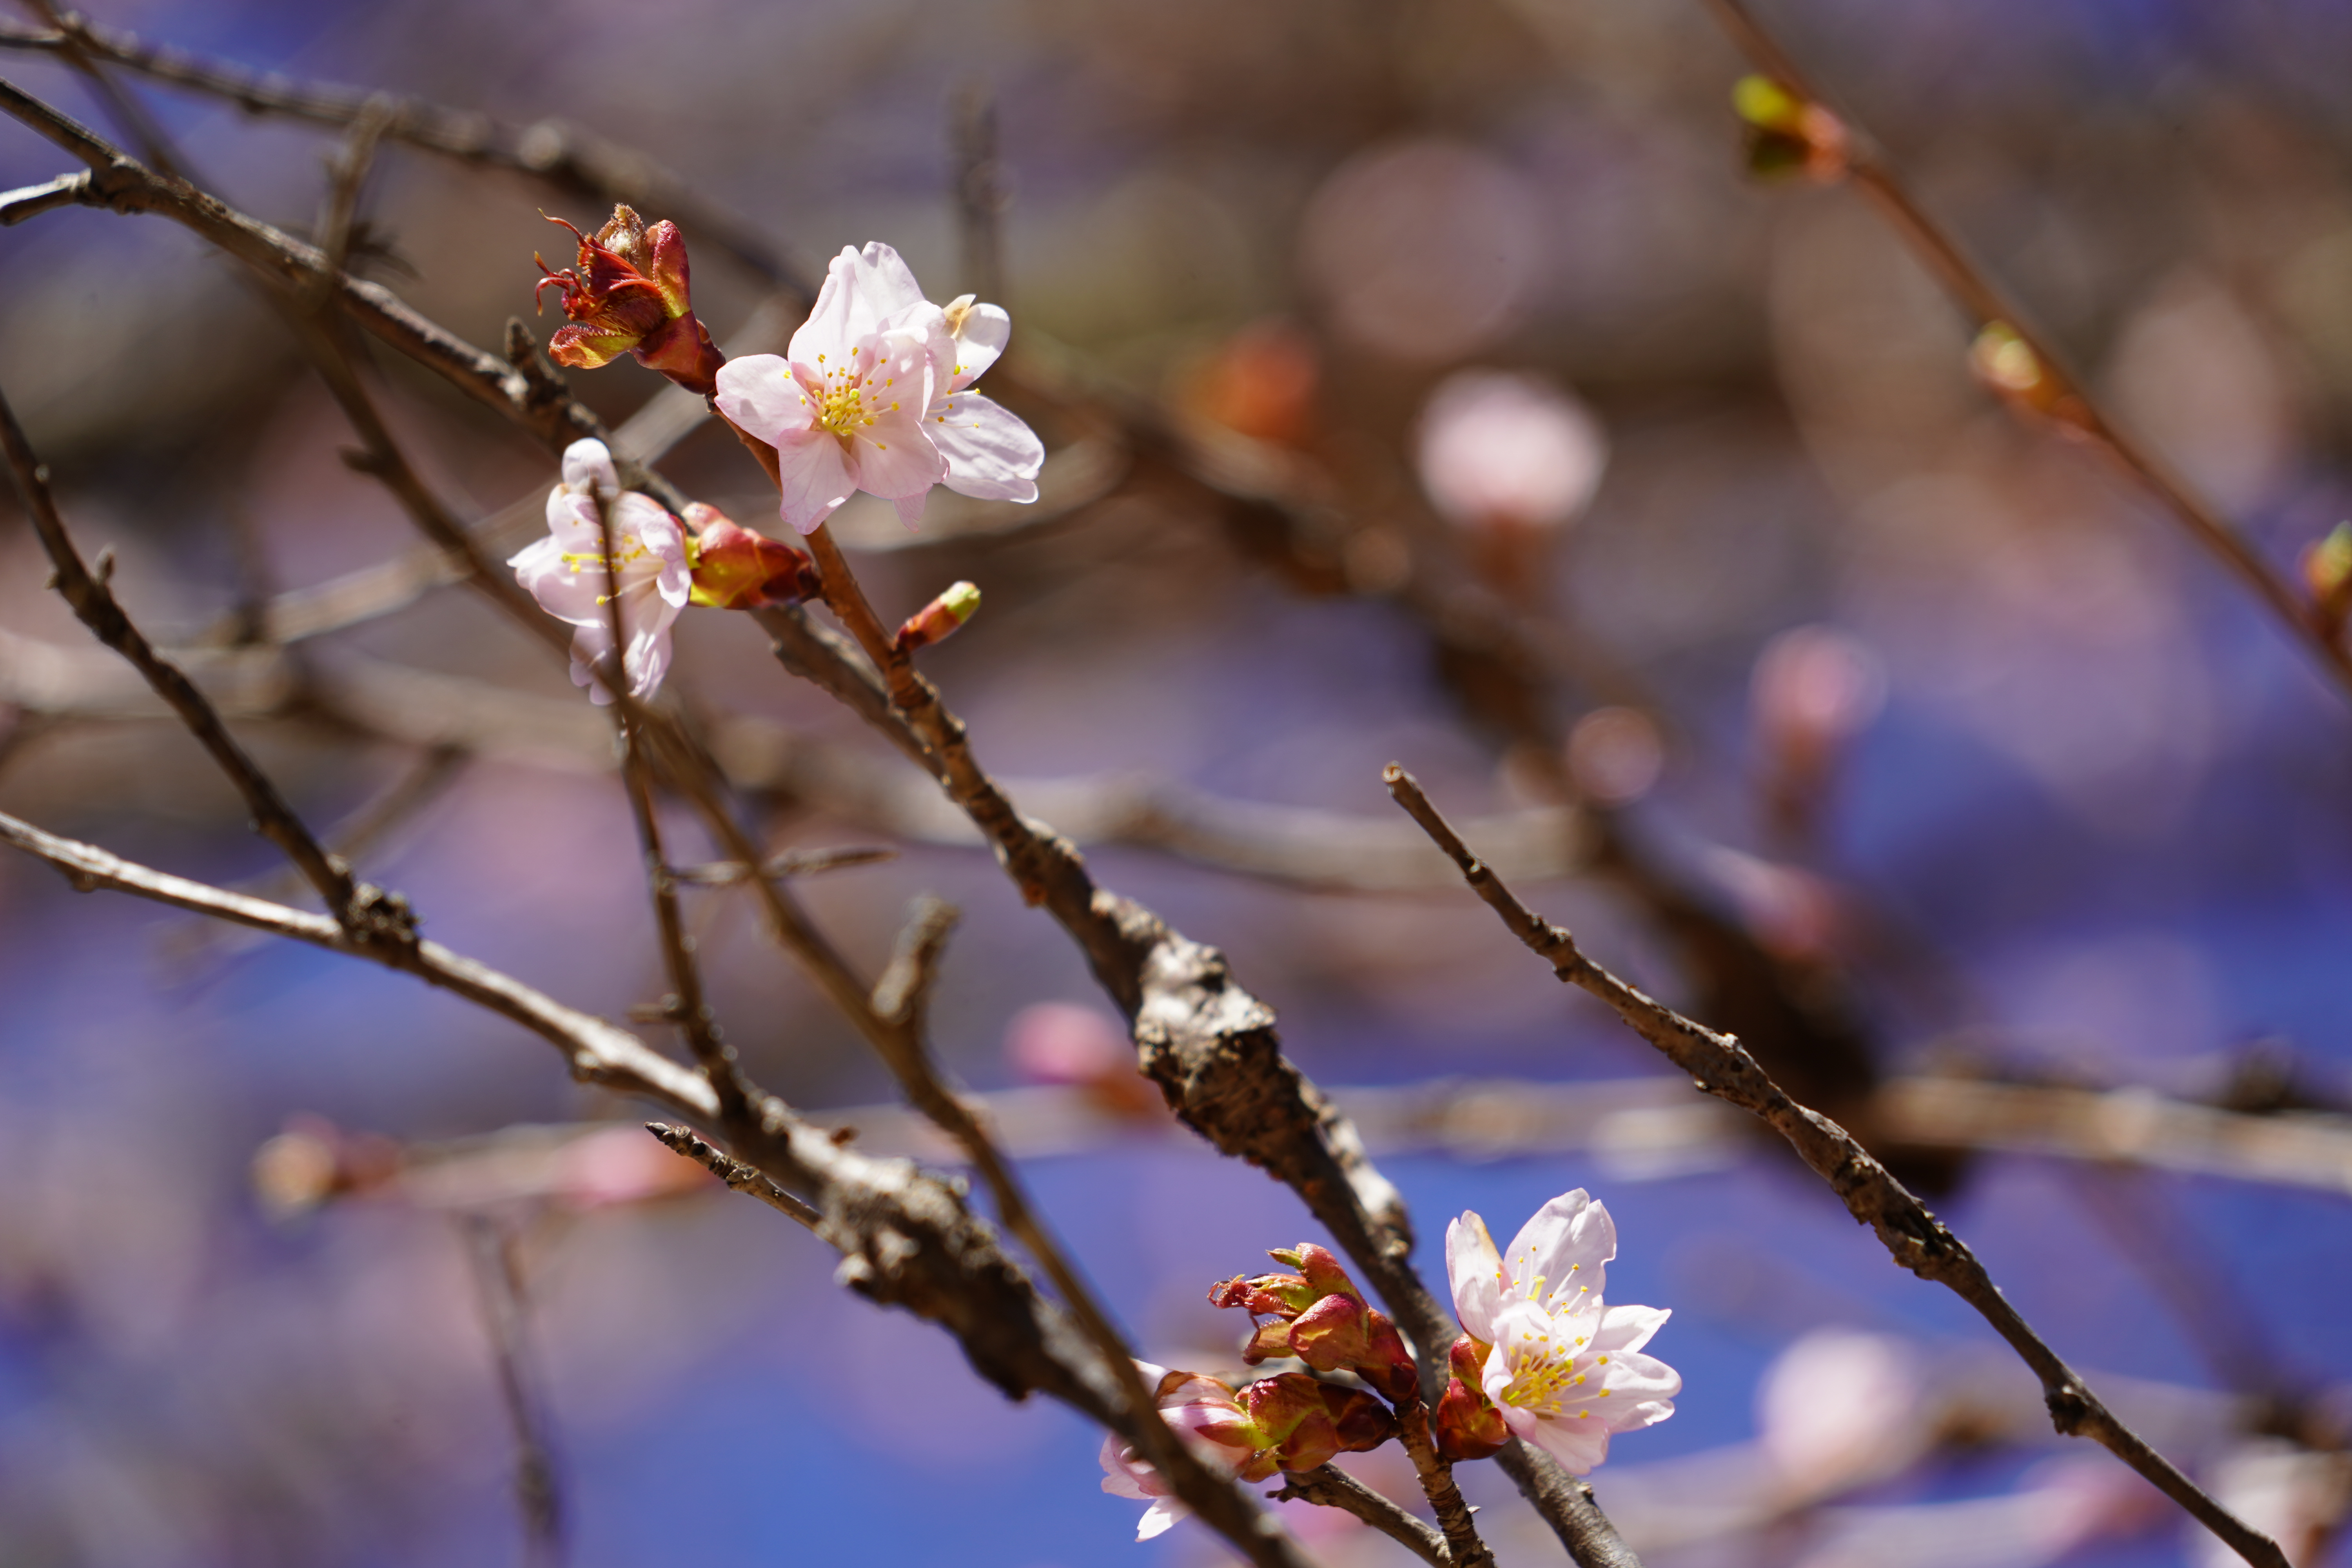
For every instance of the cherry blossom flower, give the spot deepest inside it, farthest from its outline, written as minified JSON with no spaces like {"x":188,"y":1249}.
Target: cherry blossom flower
{"x":1564,"y":1370}
{"x":873,"y":394}
{"x":568,"y":574}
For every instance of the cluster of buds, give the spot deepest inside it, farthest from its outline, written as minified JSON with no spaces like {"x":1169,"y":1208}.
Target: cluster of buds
{"x":628,"y":293}
{"x":1787,"y":133}
{"x":1318,"y":1316}
{"x":1291,"y":1421}
{"x":736,"y":569}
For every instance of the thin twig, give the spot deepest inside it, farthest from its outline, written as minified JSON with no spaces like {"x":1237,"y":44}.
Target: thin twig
{"x":789,"y":863}
{"x":1721,"y":1066}
{"x":491,"y":1248}
{"x":563,"y":155}
{"x":1983,"y":300}
{"x":1334,"y":1487}
{"x":743,"y":1178}
{"x":365,"y":912}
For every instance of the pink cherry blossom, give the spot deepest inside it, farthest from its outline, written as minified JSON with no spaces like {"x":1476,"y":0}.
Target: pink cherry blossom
{"x":1501,"y":449}
{"x":1566,"y":1371}
{"x":873,"y":394}
{"x":567,"y":572}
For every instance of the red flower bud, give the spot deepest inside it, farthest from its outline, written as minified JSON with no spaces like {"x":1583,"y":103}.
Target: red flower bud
{"x":628,"y":291}
{"x":938,"y":621}
{"x":736,"y":569}
{"x":1361,"y":1422}
{"x":1468,"y":1425}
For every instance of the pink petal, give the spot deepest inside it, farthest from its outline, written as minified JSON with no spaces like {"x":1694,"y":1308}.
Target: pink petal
{"x":1565,"y":1244}
{"x":813,"y":477}
{"x":979,"y":339}
{"x":762,"y":394}
{"x":1475,"y":1270}
{"x":990,"y":452}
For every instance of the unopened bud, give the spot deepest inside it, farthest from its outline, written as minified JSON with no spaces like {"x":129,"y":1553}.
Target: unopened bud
{"x":1787,"y":133}
{"x":628,"y":292}
{"x":2328,"y":569}
{"x":1468,"y":1425}
{"x":2015,"y":371}
{"x":938,"y":621}
{"x":736,"y":569}
{"x":1320,"y":1317}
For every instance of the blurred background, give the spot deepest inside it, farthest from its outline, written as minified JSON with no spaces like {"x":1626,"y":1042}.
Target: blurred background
{"x":1424,"y":381}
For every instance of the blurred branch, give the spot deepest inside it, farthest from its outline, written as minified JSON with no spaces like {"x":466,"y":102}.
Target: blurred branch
{"x":1984,"y":301}
{"x":599,"y":1053}
{"x":1722,"y":1066}
{"x":1335,"y":1488}
{"x":364,"y":911}
{"x":563,"y":155}
{"x":980,"y":194}
{"x":491,"y":1248}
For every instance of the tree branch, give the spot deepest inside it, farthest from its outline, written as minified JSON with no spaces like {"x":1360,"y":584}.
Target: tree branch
{"x":1721,"y":1066}
{"x":1334,"y":1487}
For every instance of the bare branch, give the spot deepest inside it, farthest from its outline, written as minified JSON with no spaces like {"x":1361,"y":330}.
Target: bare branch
{"x":563,"y":155}
{"x":491,"y":1248}
{"x":743,"y":1178}
{"x":1334,"y":1487}
{"x":1977,"y":294}
{"x":1721,"y":1066}
{"x":365,"y":912}
{"x":599,"y":1053}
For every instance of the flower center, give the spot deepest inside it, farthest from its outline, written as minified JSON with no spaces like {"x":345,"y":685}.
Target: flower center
{"x":841,"y":405}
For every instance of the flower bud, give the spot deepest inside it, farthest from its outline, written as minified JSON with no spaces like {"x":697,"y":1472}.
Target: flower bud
{"x":1320,"y":1317}
{"x":2021,"y":377}
{"x":628,"y":291}
{"x":1304,"y":1421}
{"x":1789,"y":134}
{"x":2327,"y":571}
{"x":1468,"y":1424}
{"x":938,"y":621}
{"x":736,"y":569}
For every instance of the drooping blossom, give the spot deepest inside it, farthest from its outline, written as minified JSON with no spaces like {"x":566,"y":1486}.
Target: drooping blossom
{"x":1503,"y":450}
{"x":873,"y":394}
{"x":1291,"y":1421}
{"x":1564,"y":1370}
{"x":649,"y":576}
{"x":629,"y":292}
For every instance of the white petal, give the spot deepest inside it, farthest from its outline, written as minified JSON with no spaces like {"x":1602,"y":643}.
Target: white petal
{"x":893,"y":456}
{"x":1636,"y":1376}
{"x":587,"y":459}
{"x":1475,"y":1270}
{"x":1164,"y":1512}
{"x":990,"y":452}
{"x":1580,"y":1445}
{"x":829,"y":329}
{"x":1626,"y":1329}
{"x":762,"y":394}
{"x":1119,"y":1478}
{"x":814,"y":479}
{"x":980,"y":336}
{"x":888,"y":283}
{"x":1565,"y":1244}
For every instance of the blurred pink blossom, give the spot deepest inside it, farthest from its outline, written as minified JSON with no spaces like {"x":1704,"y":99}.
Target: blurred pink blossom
{"x":1501,"y":449}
